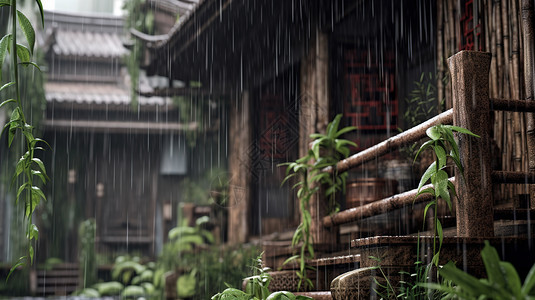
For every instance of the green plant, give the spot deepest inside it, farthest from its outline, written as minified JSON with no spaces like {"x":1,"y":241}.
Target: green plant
{"x":87,"y":257}
{"x":409,"y":286}
{"x":502,"y":280}
{"x":257,"y":287}
{"x":326,"y":151}
{"x":29,"y":167}
{"x":445,"y":147}
{"x":420,"y":106}
{"x":142,"y":21}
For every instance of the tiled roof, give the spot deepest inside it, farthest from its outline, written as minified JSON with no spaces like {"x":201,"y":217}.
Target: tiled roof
{"x":88,"y":44}
{"x":84,"y":35}
{"x":105,"y":94}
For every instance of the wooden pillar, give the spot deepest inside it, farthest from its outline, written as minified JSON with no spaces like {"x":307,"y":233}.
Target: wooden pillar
{"x":528,"y":20}
{"x":471,"y":110}
{"x":314,"y":117}
{"x":239,"y":169}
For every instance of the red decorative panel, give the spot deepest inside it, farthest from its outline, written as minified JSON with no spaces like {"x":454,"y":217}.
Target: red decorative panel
{"x":468,"y":34}
{"x":371,"y":102}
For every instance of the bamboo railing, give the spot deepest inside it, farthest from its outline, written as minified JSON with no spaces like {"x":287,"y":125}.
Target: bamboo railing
{"x":473,"y":109}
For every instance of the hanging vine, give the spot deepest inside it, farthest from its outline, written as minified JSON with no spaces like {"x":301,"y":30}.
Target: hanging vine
{"x":29,"y":168}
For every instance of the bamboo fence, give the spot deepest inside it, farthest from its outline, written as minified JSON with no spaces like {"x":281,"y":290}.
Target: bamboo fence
{"x":502,"y":34}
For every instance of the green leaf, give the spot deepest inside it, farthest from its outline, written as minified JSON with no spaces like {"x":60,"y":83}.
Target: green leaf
{"x":33,"y":232}
{"x":40,"y":175}
{"x":41,"y":12}
{"x":19,"y":263}
{"x":424,"y":146}
{"x":466,"y":282}
{"x":441,"y":185}
{"x":430,"y":191}
{"x":40,"y":164}
{"x":7,"y":84}
{"x":529,"y":283}
{"x":345,"y":130}
{"x":440,"y":233}
{"x":492,"y":265}
{"x":30,"y":63}
{"x":512,"y":279}
{"x":5,"y":3}
{"x":441,"y":155}
{"x":462,"y":130}
{"x":23,"y":53}
{"x":37,"y":192}
{"x":433,"y":133}
{"x":431,"y":170}
{"x":31,"y":254}
{"x":4,"y":43}
{"x":21,"y":189}
{"x":27,"y":29}
{"x":332,"y":128}
{"x":427,"y":207}
{"x":7,"y":101}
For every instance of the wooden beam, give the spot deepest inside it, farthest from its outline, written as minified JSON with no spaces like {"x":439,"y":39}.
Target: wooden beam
{"x":118,"y":126}
{"x":471,"y":110}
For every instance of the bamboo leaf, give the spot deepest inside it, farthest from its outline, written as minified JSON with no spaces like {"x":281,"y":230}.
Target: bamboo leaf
{"x":19,"y":263}
{"x":23,"y":53}
{"x":441,"y":185}
{"x":30,"y":63}
{"x":440,"y":234}
{"x":431,"y":170}
{"x":5,"y":3}
{"x":7,"y":101}
{"x":427,"y":207}
{"x":27,"y":29}
{"x":441,"y":155}
{"x":40,"y":164}
{"x":21,"y":189}
{"x":7,"y":84}
{"x":424,"y":146}
{"x":40,"y":175}
{"x":462,"y":130}
{"x":345,"y":130}
{"x":4,"y":43}
{"x":41,"y":12}
{"x":37,"y":192}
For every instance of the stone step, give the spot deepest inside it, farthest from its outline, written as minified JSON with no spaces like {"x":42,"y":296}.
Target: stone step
{"x":61,"y":280}
{"x":322,"y":295}
{"x":326,"y":269}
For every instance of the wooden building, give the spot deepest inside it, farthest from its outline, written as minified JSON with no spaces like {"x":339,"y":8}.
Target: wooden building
{"x":115,"y":160}
{"x":288,"y":67}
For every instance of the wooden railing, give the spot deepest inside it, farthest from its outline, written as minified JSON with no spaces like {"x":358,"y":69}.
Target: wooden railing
{"x":472,"y":109}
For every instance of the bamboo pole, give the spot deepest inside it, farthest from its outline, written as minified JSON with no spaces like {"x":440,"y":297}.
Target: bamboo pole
{"x":529,"y":66}
{"x":440,"y":53}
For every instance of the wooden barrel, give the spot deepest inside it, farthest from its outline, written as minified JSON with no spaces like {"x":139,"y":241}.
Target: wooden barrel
{"x":362,"y":191}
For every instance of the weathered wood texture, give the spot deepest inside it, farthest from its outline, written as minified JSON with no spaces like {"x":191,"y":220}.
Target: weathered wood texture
{"x":314,"y":117}
{"x":471,"y":110}
{"x":239,"y":167}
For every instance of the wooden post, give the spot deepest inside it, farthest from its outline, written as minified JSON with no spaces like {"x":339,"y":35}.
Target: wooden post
{"x":239,"y":168}
{"x":471,"y":110}
{"x":314,"y":117}
{"x":528,"y":19}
